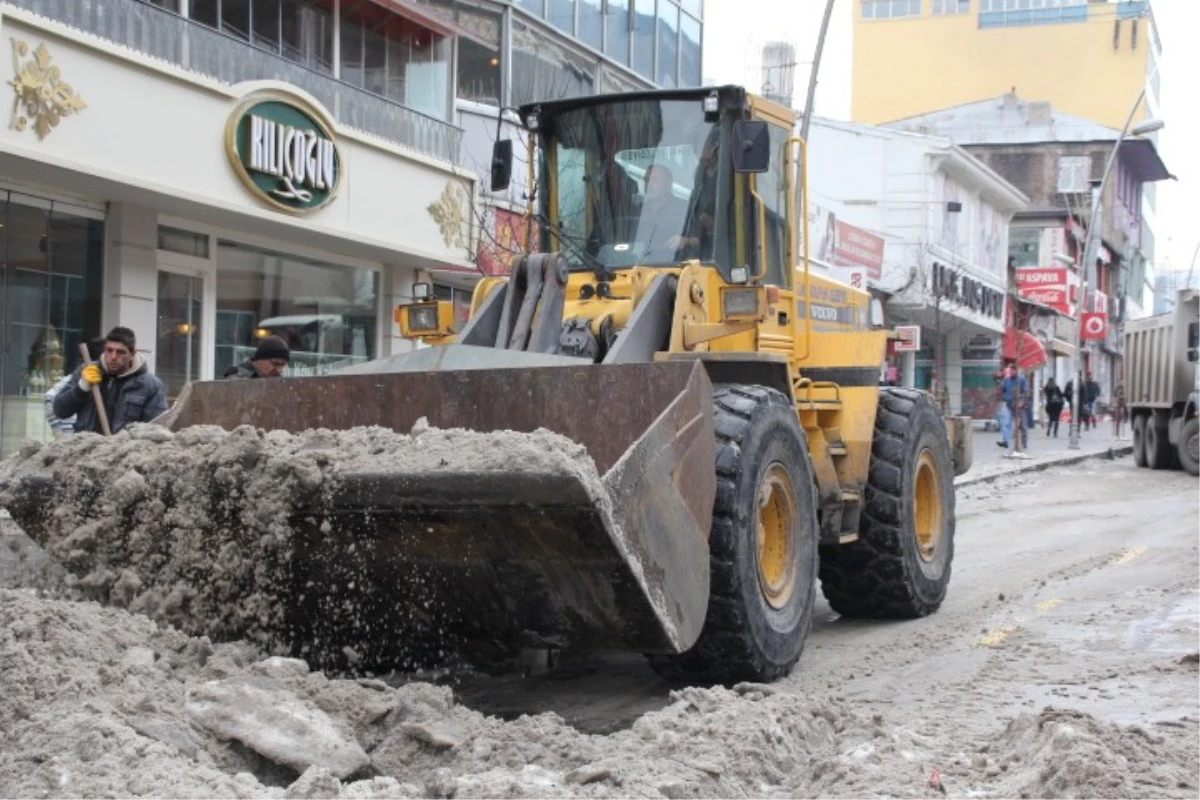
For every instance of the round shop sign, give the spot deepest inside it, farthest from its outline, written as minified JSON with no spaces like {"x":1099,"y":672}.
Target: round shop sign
{"x":283,"y":150}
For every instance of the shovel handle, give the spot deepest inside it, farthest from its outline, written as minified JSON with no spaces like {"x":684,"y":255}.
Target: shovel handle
{"x":96,"y":396}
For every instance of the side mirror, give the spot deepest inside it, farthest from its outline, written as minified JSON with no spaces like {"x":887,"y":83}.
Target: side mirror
{"x":502,"y":159}
{"x":751,"y":146}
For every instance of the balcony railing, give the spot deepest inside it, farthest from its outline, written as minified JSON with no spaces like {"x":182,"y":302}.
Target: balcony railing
{"x":200,"y":49}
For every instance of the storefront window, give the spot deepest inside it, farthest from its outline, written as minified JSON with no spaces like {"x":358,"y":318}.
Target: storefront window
{"x":327,"y":314}
{"x":643,"y":38}
{"x":561,"y":14}
{"x":397,"y":58}
{"x":591,"y":23}
{"x":616,"y":46}
{"x":548,"y":70}
{"x":478,"y":62}
{"x":535,"y":7}
{"x":306,"y":31}
{"x":479,"y":56}
{"x":1024,"y":245}
{"x":177,"y":347}
{"x":668,"y":45}
{"x":299,"y":30}
{"x":689,"y":51}
{"x":50,"y":289}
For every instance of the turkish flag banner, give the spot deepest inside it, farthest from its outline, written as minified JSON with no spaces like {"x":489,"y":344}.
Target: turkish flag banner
{"x":1095,"y":325}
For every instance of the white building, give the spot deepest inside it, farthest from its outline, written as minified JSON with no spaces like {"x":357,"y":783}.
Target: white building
{"x":150,"y":177}
{"x":942,"y":217}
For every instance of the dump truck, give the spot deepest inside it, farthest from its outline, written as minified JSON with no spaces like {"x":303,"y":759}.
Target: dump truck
{"x":728,"y":400}
{"x":1161,"y":385}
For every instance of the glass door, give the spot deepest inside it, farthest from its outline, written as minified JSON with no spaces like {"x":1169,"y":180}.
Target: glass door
{"x":51,"y":257}
{"x":177,"y":348}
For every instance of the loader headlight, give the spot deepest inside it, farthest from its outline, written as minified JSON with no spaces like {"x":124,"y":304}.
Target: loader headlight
{"x":739,"y":303}
{"x":423,"y":318}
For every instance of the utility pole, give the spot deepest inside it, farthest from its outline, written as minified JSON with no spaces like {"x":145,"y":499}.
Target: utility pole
{"x":1091,"y":249}
{"x":816,"y":67}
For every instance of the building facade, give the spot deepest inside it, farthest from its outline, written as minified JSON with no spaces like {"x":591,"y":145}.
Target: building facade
{"x":208,"y":173}
{"x":1058,"y":160}
{"x":941,"y":218}
{"x":1089,"y":58}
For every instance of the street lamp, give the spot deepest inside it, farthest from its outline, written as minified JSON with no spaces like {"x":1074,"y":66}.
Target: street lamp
{"x":1091,"y":244}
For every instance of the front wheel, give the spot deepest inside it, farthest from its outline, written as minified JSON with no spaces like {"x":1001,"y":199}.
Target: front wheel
{"x":900,"y":565}
{"x":1189,"y":446}
{"x":1158,"y":445}
{"x":763,"y":545}
{"x":1139,"y":440}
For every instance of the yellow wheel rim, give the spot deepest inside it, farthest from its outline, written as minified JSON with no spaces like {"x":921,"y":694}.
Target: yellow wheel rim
{"x":777,"y":520}
{"x":927,"y":506}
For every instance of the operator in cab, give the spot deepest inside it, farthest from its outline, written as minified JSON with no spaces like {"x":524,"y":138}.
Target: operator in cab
{"x":662,"y":214}
{"x":696,"y":241}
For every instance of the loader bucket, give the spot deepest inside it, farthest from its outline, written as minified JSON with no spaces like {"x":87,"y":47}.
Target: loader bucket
{"x":399,"y":566}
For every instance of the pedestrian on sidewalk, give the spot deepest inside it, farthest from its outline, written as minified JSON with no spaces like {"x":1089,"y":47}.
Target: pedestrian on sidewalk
{"x":1118,"y":411}
{"x":1013,"y":387}
{"x":1054,"y":405}
{"x":1091,"y":393}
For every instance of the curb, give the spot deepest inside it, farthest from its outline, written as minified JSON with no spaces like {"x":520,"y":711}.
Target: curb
{"x":1037,"y":466}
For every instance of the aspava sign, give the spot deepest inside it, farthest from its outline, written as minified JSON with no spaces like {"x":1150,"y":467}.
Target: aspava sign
{"x":283,"y":150}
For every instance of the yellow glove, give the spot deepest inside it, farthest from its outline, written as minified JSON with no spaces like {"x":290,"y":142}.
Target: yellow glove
{"x":90,"y":376}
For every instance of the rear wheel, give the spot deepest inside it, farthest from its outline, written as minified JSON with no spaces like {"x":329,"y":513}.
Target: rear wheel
{"x":1159,"y":453}
{"x":1189,"y":446}
{"x":1139,"y":440}
{"x":763,"y":545}
{"x":900,"y":565}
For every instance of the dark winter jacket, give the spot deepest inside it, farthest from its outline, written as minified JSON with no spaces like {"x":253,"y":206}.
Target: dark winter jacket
{"x":241,"y":371}
{"x":136,"y":396}
{"x":1054,"y":397}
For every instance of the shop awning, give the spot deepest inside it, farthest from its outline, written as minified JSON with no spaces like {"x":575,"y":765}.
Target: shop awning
{"x":1025,"y":349}
{"x":1059,"y":347}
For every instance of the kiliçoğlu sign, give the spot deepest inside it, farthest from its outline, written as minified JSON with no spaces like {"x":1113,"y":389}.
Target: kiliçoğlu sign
{"x":284,"y":151}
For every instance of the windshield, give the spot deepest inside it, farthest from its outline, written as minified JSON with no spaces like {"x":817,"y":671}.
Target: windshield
{"x":636,"y":184}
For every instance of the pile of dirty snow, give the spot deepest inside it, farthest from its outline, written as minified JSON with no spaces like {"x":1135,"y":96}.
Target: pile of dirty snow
{"x":101,"y":702}
{"x":232,"y":535}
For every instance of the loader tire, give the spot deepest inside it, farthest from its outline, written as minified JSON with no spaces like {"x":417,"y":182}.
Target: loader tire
{"x":1139,"y":440}
{"x":899,"y":567}
{"x":1159,"y":453}
{"x":763,"y":545}
{"x":1189,"y":447}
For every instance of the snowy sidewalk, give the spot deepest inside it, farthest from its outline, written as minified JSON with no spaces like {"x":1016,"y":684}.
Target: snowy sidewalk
{"x":992,"y":461}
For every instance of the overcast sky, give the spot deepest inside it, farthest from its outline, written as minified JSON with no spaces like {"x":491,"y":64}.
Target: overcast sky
{"x":736,"y":29}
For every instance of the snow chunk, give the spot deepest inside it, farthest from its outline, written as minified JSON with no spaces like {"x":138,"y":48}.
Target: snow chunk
{"x":275,"y":723}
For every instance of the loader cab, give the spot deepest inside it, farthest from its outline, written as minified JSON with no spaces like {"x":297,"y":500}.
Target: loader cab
{"x":666,"y":177}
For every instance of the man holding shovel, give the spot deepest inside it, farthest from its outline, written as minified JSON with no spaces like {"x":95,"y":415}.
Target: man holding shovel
{"x":120,"y":381}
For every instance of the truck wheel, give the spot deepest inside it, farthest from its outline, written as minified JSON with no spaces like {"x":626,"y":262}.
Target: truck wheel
{"x":1158,"y":445}
{"x":900,"y":565}
{"x":763,"y":545}
{"x":1189,"y":446}
{"x":1139,"y":440}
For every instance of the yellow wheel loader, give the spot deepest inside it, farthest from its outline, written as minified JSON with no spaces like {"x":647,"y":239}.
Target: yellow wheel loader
{"x":668,"y":323}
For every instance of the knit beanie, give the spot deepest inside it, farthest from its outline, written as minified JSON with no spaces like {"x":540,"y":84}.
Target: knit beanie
{"x":270,"y":348}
